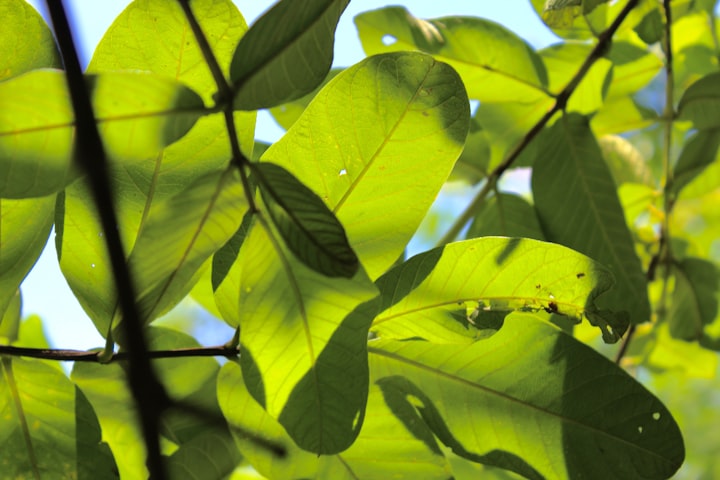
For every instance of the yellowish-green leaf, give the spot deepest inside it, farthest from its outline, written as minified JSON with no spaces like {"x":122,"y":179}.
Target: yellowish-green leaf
{"x":138,"y":115}
{"x":413,"y":114}
{"x":26,"y":42}
{"x":507,"y":215}
{"x":24,"y":228}
{"x":303,"y":353}
{"x":519,"y":400}
{"x":504,"y":69}
{"x":45,"y":427}
{"x":438,"y":294}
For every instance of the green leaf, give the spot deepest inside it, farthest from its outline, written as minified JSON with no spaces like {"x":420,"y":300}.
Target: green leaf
{"x":622,"y":114}
{"x":206,"y":456}
{"x":700,"y":104}
{"x":472,"y":166}
{"x":563,"y":60}
{"x":699,"y":151}
{"x":154,"y":36}
{"x":633,"y":68}
{"x":44,"y":427}
{"x":578,"y":206}
{"x":626,"y":163}
{"x":505,"y":69}
{"x":413,"y":112}
{"x":402,"y":441}
{"x":180,"y":235}
{"x":308,"y":227}
{"x":27,"y":43}
{"x":94,"y":457}
{"x":106,"y":389}
{"x":435,"y":294}
{"x":10,"y":319}
{"x":138,"y":114}
{"x":24,"y":229}
{"x":302,"y":352}
{"x":286,"y":53}
{"x":507,"y":215}
{"x":695,"y":298}
{"x":519,"y":400}
{"x":288,"y":113}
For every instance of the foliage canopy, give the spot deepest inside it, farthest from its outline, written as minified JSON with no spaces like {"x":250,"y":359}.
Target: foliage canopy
{"x":483,"y":355}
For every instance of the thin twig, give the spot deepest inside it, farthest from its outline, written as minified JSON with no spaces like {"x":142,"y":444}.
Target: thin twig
{"x":147,"y":391}
{"x":224,"y":101}
{"x":664,"y":254}
{"x":604,"y":40}
{"x":93,"y":357}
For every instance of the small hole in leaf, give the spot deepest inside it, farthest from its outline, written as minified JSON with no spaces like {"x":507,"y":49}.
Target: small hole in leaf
{"x":640,"y":429}
{"x":92,"y":265}
{"x":342,"y":172}
{"x":656,"y":416}
{"x":388,"y":40}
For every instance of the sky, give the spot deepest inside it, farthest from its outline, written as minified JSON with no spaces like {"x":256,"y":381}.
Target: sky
{"x":45,"y":291}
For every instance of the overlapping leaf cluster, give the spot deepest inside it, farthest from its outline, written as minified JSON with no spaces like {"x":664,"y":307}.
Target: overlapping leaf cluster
{"x":354,"y":361}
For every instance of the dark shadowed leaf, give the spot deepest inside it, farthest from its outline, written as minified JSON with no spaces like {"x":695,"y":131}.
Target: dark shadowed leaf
{"x":699,"y":151}
{"x":695,"y":298}
{"x":578,"y":206}
{"x":286,"y":53}
{"x":700,"y":103}
{"x":520,"y":400}
{"x":506,"y":215}
{"x":307,"y":226}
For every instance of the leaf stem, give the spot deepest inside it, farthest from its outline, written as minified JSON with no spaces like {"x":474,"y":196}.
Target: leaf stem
{"x":224,"y":100}
{"x":227,"y":351}
{"x":664,"y":254}
{"x":604,"y":41}
{"x":148,"y":392}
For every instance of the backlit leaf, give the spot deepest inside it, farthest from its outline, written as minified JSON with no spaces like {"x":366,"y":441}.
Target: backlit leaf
{"x":398,"y":437}
{"x":180,"y":235}
{"x":413,"y":113}
{"x":519,"y":400}
{"x":303,"y":353}
{"x":505,"y":69}
{"x":45,"y":427}
{"x":286,"y":53}
{"x":578,"y":206}
{"x":450,"y":285}
{"x":307,"y":226}
{"x":24,"y":228}
{"x":138,"y":115}
{"x":26,"y":42}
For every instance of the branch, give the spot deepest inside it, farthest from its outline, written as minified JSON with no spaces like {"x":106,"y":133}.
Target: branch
{"x":224,"y":100}
{"x":604,"y":41}
{"x":664,"y":254}
{"x":93,"y":357}
{"x":147,"y":391}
